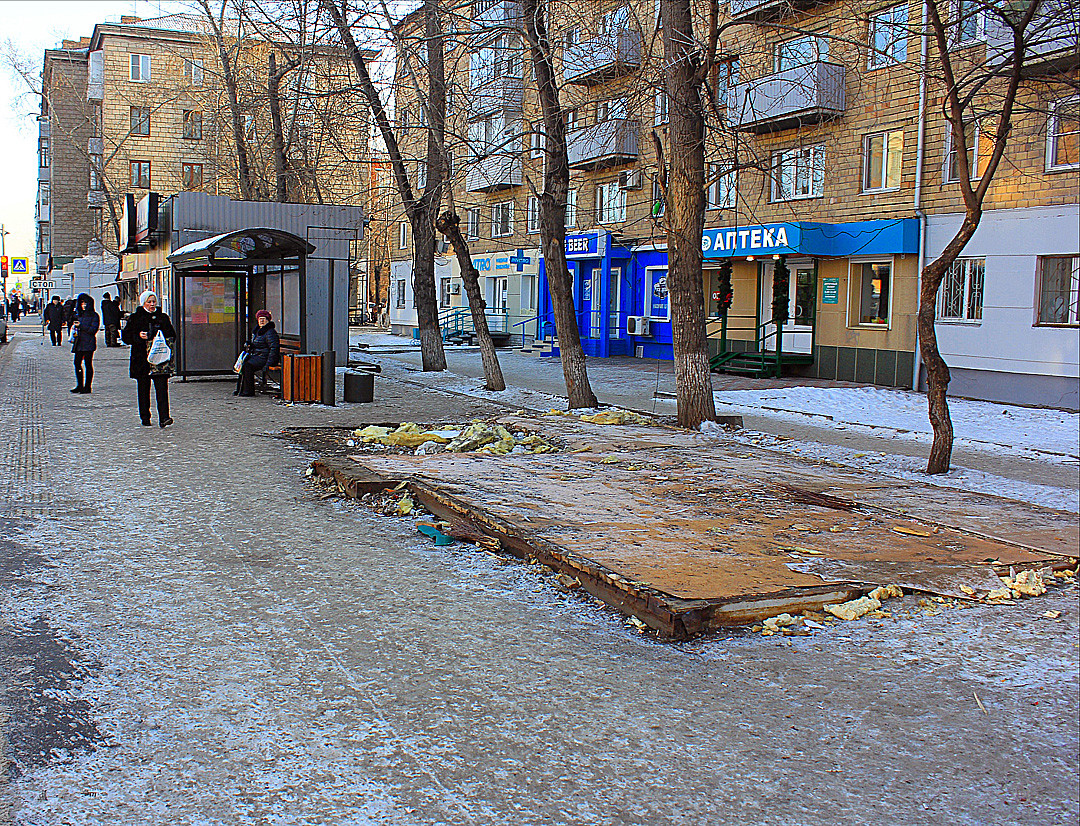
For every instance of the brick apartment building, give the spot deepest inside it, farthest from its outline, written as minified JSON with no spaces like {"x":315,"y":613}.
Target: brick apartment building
{"x":825,"y":145}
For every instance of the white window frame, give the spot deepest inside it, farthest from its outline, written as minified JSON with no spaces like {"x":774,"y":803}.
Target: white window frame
{"x":403,"y":235}
{"x":537,"y":140}
{"x":611,"y":109}
{"x":819,"y":51}
{"x":1073,"y":310}
{"x":139,"y":70}
{"x":472,"y":224}
{"x":139,"y":121}
{"x":1052,"y":134}
{"x":965,"y":282}
{"x":610,"y":203}
{"x":855,"y":266}
{"x":977,"y":15}
{"x":720,"y":187}
{"x":421,"y":176}
{"x":502,"y":219}
{"x":646,"y":310}
{"x":973,"y":149}
{"x":193,"y":71}
{"x":892,"y":25}
{"x":809,"y":167}
{"x":532,"y":214}
{"x":661,"y":108}
{"x":889,"y":138}
{"x":44,"y":193}
{"x":570,"y":221}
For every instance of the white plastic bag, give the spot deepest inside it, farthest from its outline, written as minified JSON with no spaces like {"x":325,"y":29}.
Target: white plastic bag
{"x":240,"y":359}
{"x":159,"y":352}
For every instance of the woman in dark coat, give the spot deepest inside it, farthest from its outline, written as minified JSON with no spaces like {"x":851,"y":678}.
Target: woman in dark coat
{"x":54,"y":319}
{"x":84,"y":330}
{"x":139,"y":331}
{"x":264,"y":350}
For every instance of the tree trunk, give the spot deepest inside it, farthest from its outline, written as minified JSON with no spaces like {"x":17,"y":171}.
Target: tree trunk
{"x":450,"y":225}
{"x":243,"y":166}
{"x":273,"y":84}
{"x":553,"y":211}
{"x":686,"y":217}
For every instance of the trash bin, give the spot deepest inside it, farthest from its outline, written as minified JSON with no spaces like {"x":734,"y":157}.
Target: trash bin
{"x":301,"y":378}
{"x":359,"y":387}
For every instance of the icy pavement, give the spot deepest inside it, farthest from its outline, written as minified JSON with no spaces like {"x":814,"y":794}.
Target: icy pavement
{"x":250,"y":653}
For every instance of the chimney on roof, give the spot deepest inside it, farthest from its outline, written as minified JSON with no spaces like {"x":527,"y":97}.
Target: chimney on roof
{"x":84,"y":41}
{"x":127,"y":19}
{"x":69,"y":44}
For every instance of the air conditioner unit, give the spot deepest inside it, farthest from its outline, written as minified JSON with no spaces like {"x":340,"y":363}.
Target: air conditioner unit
{"x":637,"y":325}
{"x":631,"y":179}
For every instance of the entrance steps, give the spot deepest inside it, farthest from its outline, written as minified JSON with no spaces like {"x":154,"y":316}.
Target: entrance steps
{"x":541,"y":347}
{"x":758,"y":365}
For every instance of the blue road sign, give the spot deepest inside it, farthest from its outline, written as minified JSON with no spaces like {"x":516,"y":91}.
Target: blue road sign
{"x":20,"y":266}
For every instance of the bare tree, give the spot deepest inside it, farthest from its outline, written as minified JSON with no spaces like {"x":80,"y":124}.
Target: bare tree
{"x":553,"y":208}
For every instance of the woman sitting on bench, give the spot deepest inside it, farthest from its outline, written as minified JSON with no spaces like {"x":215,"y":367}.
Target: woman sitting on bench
{"x":264,"y":350}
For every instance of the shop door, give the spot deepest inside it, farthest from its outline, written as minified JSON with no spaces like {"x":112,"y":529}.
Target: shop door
{"x":799,"y":328}
{"x":211,"y":328}
{"x":497,"y":304}
{"x":589,"y":309}
{"x":615,"y":328}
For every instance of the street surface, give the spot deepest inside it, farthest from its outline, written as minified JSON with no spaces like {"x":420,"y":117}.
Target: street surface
{"x":192,"y":635}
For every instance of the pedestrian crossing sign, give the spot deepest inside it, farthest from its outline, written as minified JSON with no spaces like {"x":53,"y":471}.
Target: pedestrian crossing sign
{"x":20,"y":266}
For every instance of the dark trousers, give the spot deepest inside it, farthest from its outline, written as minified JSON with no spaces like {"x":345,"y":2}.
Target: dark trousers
{"x":84,"y":369}
{"x":57,"y":336}
{"x":161,"y":390}
{"x":112,"y":338}
{"x":247,"y":376}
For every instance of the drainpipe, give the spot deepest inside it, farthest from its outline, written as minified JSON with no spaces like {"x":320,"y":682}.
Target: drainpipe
{"x":920,"y":151}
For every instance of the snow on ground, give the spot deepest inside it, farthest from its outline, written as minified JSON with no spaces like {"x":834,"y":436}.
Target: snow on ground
{"x":1046,"y":435}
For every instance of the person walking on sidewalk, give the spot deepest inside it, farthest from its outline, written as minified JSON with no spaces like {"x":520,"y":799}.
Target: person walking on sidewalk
{"x":110,"y":317}
{"x":69,"y":313}
{"x":54,"y":320}
{"x":264,"y":350}
{"x":142,"y":325}
{"x":85,"y":329}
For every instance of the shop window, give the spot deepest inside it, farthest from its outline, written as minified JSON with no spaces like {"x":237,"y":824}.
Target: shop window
{"x":1063,"y":136}
{"x":888,"y":37}
{"x":571,"y":209}
{"x":140,"y":174}
{"x":532,"y":215}
{"x":962,"y":290}
{"x":872,"y":281}
{"x":191,"y":176}
{"x":140,"y":120}
{"x":656,"y":298}
{"x":1059,"y":290}
{"x":502,"y":219}
{"x":799,"y":173}
{"x":192,"y":125}
{"x":882,"y":156}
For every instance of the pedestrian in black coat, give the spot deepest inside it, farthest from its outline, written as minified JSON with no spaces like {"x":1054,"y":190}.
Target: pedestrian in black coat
{"x":85,"y":327}
{"x":69,"y":313}
{"x":264,"y":350}
{"x":139,"y":331}
{"x":54,"y":320}
{"x":110,"y":317}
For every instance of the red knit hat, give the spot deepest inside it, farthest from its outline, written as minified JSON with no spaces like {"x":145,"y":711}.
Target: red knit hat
{"x":263,"y":314}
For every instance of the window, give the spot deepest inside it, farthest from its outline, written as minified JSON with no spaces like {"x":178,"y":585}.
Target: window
{"x":952,"y":165}
{"x":403,"y":236}
{"x":191,"y":175}
{"x":140,"y":174}
{"x":444,"y":292}
{"x":657,"y":306}
{"x":95,"y":177}
{"x":140,"y":120}
{"x":193,"y":72}
{"x":492,"y":134}
{"x":615,"y":21}
{"x":658,"y":205}
{"x":537,"y":140}
{"x":43,"y":153}
{"x":614,"y":109}
{"x":500,"y":57}
{"x":571,"y":209}
{"x":1059,"y":290}
{"x":192,"y":125}
{"x":399,"y":294}
{"x":532,"y":215}
{"x":43,"y":193}
{"x":610,"y":203}
{"x":882,"y":154}
{"x":1063,"y":136}
{"x":140,"y":67}
{"x":502,"y":219}
{"x":44,"y":241}
{"x":725,"y":77}
{"x":798,"y":173}
{"x":970,"y":22}
{"x":873,"y":280}
{"x":571,"y":38}
{"x":660,"y":112}
{"x":421,"y":175}
{"x":962,"y":290}
{"x":798,"y":52}
{"x":472,"y":224}
{"x":719,"y":188}
{"x":570,"y":118}
{"x":888,"y":37}
{"x":403,"y":120}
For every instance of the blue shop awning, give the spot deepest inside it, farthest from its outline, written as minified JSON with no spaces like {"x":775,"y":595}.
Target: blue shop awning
{"x":884,"y":237}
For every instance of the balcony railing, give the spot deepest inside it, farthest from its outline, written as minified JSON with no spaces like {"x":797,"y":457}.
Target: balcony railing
{"x":805,"y":94}
{"x":741,"y":11}
{"x":501,"y":94}
{"x":602,"y":58}
{"x":608,"y":143}
{"x":499,"y":13}
{"x":493,"y":173}
{"x":1053,"y":40}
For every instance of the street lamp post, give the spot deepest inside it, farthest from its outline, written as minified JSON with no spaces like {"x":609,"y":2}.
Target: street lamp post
{"x":3,"y":254}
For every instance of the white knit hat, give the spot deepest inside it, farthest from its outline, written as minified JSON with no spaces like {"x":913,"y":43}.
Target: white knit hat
{"x":145,"y":295}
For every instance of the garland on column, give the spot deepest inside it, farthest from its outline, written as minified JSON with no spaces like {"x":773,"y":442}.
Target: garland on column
{"x":781,"y":284}
{"x":724,"y":287}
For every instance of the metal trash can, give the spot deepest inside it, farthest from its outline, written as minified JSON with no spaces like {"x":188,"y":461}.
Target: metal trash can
{"x":359,"y":387}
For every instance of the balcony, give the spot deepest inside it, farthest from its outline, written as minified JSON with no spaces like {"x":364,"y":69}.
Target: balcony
{"x":95,"y":146}
{"x":95,"y":76}
{"x":42,"y":262}
{"x":608,"y":143}
{"x":795,"y":97}
{"x":602,"y":58}
{"x":44,"y":126}
{"x":499,"y":13}
{"x":95,"y":199}
{"x":743,"y":11}
{"x":44,"y":174}
{"x":501,"y":94}
{"x":42,"y":213}
{"x":492,"y":173}
{"x":1053,"y":44}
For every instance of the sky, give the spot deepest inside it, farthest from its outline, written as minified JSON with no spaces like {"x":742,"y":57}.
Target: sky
{"x":27,"y":28}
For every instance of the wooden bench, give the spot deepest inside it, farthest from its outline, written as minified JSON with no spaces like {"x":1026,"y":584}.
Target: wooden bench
{"x":289,"y":344}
